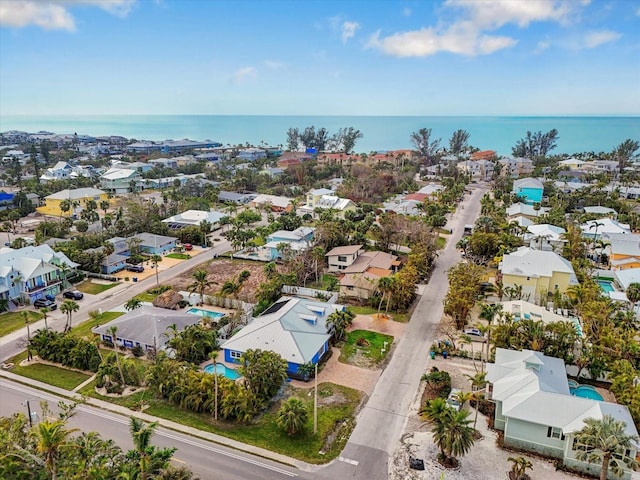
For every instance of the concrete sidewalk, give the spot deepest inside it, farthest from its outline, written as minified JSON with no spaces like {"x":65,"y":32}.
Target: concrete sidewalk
{"x":194,"y":432}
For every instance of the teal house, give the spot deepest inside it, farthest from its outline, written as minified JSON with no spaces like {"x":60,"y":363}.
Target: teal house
{"x":530,"y":189}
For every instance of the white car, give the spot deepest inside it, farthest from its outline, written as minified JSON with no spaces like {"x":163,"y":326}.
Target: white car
{"x":475,"y":334}
{"x":452,"y":399}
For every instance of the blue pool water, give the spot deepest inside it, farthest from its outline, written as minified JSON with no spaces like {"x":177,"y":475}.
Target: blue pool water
{"x":221,"y":369}
{"x":586,"y":391}
{"x":205,"y":313}
{"x":606,"y":286}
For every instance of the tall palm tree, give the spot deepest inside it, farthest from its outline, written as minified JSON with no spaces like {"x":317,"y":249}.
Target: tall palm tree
{"x":68,"y":307}
{"x":605,"y":440}
{"x":453,"y":434}
{"x":154,"y":262}
{"x":51,"y":438}
{"x":385,"y":285}
{"x":44,"y":311}
{"x":27,"y":321}
{"x":113,"y":331}
{"x":150,"y":459}
{"x":200,"y":283}
{"x":292,"y":416}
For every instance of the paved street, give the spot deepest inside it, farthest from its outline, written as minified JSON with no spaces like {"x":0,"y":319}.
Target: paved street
{"x":381,"y":422}
{"x":10,"y":344}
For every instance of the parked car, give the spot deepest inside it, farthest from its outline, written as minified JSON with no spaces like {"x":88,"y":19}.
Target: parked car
{"x":135,"y":268}
{"x":475,"y":334}
{"x":188,"y":246}
{"x":45,"y":302}
{"x":452,"y":399}
{"x":73,"y":295}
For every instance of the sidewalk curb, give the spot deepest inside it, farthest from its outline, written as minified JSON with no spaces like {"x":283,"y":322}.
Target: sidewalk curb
{"x":169,"y":424}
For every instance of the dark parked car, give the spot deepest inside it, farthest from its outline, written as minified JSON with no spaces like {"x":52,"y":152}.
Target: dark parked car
{"x":44,"y":302}
{"x":73,"y":295}
{"x":135,"y":268}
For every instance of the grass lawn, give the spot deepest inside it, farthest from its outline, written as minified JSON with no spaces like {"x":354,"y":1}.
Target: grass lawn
{"x":84,"y":329}
{"x":12,"y":321}
{"x":338,"y":413}
{"x":56,"y":376}
{"x":146,"y":297}
{"x":178,"y":256}
{"x":441,"y":242}
{"x":94,"y":288}
{"x":367,"y":342}
{"x":398,"y":317}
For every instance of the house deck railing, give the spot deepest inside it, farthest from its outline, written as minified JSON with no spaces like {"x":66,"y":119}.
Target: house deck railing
{"x":44,"y":285}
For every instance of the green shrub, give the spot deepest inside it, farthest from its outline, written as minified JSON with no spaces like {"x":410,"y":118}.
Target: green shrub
{"x":137,"y":351}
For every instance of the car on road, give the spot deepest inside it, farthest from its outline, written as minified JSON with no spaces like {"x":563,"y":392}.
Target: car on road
{"x":452,"y":399}
{"x":475,"y":334}
{"x":135,"y":268}
{"x":73,"y":295}
{"x":45,"y":302}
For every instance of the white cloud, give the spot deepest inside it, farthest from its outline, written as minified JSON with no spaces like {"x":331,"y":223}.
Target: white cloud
{"x":349,"y":30}
{"x":243,"y":74}
{"x":406,"y":11}
{"x":595,"y":39}
{"x":542,"y":46}
{"x":54,"y":14}
{"x":473,"y":32}
{"x":273,"y":65}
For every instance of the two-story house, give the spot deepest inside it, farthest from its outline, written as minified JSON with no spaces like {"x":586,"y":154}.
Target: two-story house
{"x":294,"y":241}
{"x":340,"y":258}
{"x":77,"y":199}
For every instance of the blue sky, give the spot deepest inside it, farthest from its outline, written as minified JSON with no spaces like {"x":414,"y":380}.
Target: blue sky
{"x":365,"y":57}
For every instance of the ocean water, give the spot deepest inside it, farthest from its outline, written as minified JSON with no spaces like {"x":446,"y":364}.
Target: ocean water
{"x":576,"y":134}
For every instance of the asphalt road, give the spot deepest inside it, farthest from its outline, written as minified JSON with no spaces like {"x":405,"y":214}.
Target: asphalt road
{"x":381,"y":422}
{"x":208,"y":460}
{"x":13,"y":343}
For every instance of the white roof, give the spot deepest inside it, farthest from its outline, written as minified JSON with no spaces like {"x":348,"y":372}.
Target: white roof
{"x":332,"y":201}
{"x":194,"y":217}
{"x":599,"y":210}
{"x":294,"y":328}
{"x":605,"y":225}
{"x":571,"y":161}
{"x":533,"y":388}
{"x":627,"y":276}
{"x":118,"y":173}
{"x":527,"y":183}
{"x":275,"y":200}
{"x":321,"y":191}
{"x":76,"y":194}
{"x":530,"y":311}
{"x":551,"y":232}
{"x":526,"y":262}
{"x":524,"y":209}
{"x":33,"y":260}
{"x":430,"y":189}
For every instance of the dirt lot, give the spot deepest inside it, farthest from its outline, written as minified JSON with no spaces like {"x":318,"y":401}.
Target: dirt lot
{"x":224,"y":269}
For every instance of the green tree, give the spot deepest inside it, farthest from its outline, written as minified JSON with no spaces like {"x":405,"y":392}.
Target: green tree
{"x":52,"y":437}
{"x":45,"y":314}
{"x":452,"y":434}
{"x":338,"y":322}
{"x":27,"y":321}
{"x":132,"y":304}
{"x":633,"y":293}
{"x":113,"y":332}
{"x":155,"y":259}
{"x":519,"y":466}
{"x":423,"y":143}
{"x":264,"y":372}
{"x":605,"y":440}
{"x":292,"y":416}
{"x":459,"y":142}
{"x":200,"y":283}
{"x":151,"y":460}
{"x":69,"y":307}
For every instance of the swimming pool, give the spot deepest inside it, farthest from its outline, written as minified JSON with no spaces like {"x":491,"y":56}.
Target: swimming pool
{"x":221,"y":369}
{"x":606,"y":285}
{"x":205,"y":313}
{"x":586,"y":391}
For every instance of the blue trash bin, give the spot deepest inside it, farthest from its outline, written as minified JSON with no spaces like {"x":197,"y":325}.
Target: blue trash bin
{"x":444,"y":354}
{"x":135,"y":279}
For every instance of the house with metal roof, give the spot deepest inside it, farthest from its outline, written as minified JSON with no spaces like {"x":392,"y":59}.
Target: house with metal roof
{"x":32,"y":272}
{"x":537,"y":272}
{"x":156,"y":244}
{"x":530,"y":189}
{"x":594,"y":229}
{"x":234,"y":197}
{"x":545,"y":237}
{"x":623,"y":250}
{"x":294,"y":328}
{"x":320,"y":199}
{"x":540,"y":411}
{"x":524,"y":210}
{"x":360,"y":279}
{"x":78,"y":198}
{"x":295,"y":241}
{"x":276,"y":203}
{"x":193,"y":218}
{"x":146,"y":327}
{"x":120,"y":180}
{"x":339,"y":258}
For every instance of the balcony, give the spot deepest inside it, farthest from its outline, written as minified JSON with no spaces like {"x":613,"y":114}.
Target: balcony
{"x":42,"y":286}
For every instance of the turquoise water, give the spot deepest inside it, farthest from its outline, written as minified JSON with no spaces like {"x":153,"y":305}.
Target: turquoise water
{"x":586,"y":391}
{"x":576,"y":134}
{"x":606,"y":286}
{"x":205,"y":313}
{"x":221,"y":369}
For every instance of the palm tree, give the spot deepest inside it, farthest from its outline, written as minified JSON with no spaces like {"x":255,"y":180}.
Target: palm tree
{"x":338,"y":322}
{"x":154,"y":262}
{"x":113,"y":331}
{"x":200,"y":283}
{"x":205,"y":230}
{"x":633,"y":293}
{"x":292,"y":416}
{"x":605,"y":440}
{"x":150,"y":459}
{"x":65,"y":206}
{"x":68,"y":307}
{"x":452,"y":434}
{"x":51,"y":438}
{"x":25,"y":317}
{"x":132,"y":304}
{"x":519,"y":466}
{"x":385,"y":286}
{"x":44,"y":311}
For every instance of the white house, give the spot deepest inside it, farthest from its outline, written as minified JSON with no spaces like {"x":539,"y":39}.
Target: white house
{"x":539,"y":411}
{"x":545,"y":237}
{"x":594,"y":229}
{"x":193,"y":218}
{"x":120,"y":180}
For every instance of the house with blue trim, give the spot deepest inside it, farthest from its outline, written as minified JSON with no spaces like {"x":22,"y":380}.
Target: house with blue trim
{"x":156,"y":244}
{"x":530,"y":189}
{"x":294,"y":328}
{"x":296,"y":241}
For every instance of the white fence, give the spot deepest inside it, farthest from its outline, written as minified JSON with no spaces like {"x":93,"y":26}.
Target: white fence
{"x":322,"y":295}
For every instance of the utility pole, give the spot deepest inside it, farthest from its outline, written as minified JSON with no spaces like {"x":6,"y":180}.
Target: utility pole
{"x":315,"y":402}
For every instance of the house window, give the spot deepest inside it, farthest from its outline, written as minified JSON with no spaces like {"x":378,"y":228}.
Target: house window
{"x":553,"y":432}
{"x":528,"y":278}
{"x":342,"y":258}
{"x":576,"y":447}
{"x":627,"y":454}
{"x":235,"y":354}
